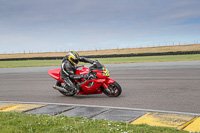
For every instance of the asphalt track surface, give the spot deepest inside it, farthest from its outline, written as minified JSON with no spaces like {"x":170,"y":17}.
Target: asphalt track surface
{"x":169,"y":86}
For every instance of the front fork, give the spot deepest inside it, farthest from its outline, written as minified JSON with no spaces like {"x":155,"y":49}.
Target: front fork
{"x":106,"y":84}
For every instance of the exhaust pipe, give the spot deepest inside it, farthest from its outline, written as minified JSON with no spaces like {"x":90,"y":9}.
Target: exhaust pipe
{"x":59,"y":88}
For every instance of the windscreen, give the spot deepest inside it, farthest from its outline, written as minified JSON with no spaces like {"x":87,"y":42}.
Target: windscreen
{"x":98,"y":64}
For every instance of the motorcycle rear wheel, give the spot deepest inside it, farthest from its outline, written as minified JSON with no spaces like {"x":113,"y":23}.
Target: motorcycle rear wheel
{"x":58,"y":83}
{"x":114,"y":90}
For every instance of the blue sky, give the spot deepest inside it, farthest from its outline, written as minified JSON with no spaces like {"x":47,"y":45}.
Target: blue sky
{"x":59,"y":25}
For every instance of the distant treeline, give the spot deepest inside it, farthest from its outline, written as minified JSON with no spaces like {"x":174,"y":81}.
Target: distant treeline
{"x":108,"y":56}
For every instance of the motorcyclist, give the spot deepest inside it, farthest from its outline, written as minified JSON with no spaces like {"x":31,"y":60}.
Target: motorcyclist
{"x":68,"y":69}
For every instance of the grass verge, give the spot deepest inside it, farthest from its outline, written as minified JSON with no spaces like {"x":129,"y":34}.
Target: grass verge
{"x":38,"y":63}
{"x":13,"y":122}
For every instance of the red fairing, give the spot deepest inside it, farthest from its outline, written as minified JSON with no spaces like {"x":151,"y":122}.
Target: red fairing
{"x":99,"y":74}
{"x":82,"y":71}
{"x":55,"y":73}
{"x":109,"y":81}
{"x":91,"y":87}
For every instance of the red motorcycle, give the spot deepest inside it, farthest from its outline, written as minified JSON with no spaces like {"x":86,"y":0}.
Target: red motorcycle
{"x":98,"y":81}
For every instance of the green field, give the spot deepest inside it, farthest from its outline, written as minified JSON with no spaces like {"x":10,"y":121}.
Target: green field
{"x":12,"y":122}
{"x":37,"y":63}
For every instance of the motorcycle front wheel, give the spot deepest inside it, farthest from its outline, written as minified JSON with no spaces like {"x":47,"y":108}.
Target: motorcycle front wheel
{"x":60,"y":84}
{"x":114,"y":90}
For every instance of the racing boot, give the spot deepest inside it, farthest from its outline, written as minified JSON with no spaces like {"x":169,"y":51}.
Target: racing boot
{"x":69,"y":86}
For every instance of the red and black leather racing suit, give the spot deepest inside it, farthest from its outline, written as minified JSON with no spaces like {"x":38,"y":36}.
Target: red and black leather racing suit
{"x":68,"y":72}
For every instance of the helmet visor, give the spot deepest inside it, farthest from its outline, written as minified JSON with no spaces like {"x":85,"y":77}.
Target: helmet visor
{"x":75,"y":61}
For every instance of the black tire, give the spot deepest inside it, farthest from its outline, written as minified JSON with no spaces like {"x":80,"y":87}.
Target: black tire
{"x":58,"y":83}
{"x":114,"y":90}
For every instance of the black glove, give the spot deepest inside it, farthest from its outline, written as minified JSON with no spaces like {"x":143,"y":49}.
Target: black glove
{"x":84,"y":76}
